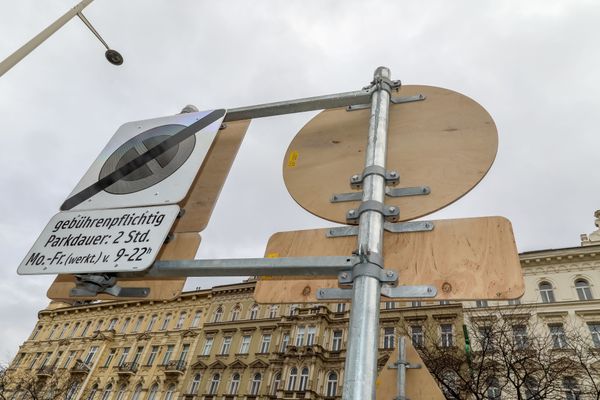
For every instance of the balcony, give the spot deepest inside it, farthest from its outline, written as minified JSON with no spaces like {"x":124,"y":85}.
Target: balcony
{"x":175,"y":368}
{"x":80,"y":368}
{"x":45,"y":372}
{"x":127,"y":369}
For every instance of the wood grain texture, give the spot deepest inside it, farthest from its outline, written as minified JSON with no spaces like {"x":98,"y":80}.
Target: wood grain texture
{"x":447,"y":142}
{"x":420,"y":384}
{"x":466,"y":259}
{"x":183,"y":247}
{"x":204,"y":192}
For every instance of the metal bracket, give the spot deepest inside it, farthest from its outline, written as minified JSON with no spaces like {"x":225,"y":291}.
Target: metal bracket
{"x":390,"y":213}
{"x":391,"y":177}
{"x":400,"y":227}
{"x":88,"y":285}
{"x":391,"y":192}
{"x":334,"y":294}
{"x":367,"y":269}
{"x":394,"y":100}
{"x":407,"y":292}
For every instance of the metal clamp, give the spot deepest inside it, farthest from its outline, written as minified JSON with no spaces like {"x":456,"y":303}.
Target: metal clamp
{"x":390,"y":213}
{"x":407,"y":292}
{"x":386,"y":84}
{"x":89,"y":285}
{"x":367,"y":269}
{"x":394,"y":100}
{"x":391,"y":177}
{"x":391,"y":192}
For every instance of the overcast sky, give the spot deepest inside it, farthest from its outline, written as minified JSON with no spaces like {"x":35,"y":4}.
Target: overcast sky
{"x":532,"y":64}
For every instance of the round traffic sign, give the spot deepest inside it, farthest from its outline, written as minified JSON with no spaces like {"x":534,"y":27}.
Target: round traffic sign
{"x":446,"y":142}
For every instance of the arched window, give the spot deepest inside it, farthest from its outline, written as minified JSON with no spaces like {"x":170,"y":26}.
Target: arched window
{"x":93,"y":392}
{"x":218,"y":314}
{"x":276,"y":383}
{"x":235,"y":312}
{"x":121,"y":392}
{"x":493,"y":390}
{"x":153,"y":392}
{"x":584,"y":292}
{"x":214,"y":384}
{"x":292,"y":381}
{"x":255,"y":387}
{"x":571,"y":388}
{"x":546,"y":292}
{"x":195,"y":384}
{"x":170,"y":392}
{"x":332,"y":381}
{"x":107,"y":392}
{"x":137,"y":392}
{"x":254,"y":311}
{"x":235,"y":384}
{"x":273,"y":311}
{"x":303,"y":379}
{"x":166,"y":322}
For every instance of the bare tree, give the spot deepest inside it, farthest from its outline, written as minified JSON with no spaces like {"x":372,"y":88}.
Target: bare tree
{"x":21,"y":384}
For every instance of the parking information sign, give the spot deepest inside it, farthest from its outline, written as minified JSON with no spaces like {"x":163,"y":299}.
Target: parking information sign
{"x":97,"y":241}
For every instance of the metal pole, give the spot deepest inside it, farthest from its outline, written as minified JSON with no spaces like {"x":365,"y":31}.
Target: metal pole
{"x":361,"y":360}
{"x":401,"y":365}
{"x":28,"y":47}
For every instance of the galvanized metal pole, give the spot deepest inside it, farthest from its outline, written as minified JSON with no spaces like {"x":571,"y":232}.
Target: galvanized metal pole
{"x":361,"y":358}
{"x":28,"y":47}
{"x":401,"y":365}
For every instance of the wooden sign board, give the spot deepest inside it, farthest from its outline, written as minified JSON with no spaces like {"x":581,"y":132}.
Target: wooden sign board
{"x":466,"y":259}
{"x":447,"y":142}
{"x":183,"y":247}
{"x":201,"y":199}
{"x":420,"y":385}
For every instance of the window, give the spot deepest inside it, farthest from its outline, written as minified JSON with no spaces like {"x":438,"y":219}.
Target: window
{"x":336,"y":341}
{"x":151,"y":323}
{"x":86,"y":328}
{"x":303,"y":380}
{"x":255,"y":386}
{"x":138,"y":354}
{"x":74,"y":330}
{"x":594,"y":328}
{"x":300,"y":336}
{"x":34,"y":360}
{"x":444,"y":302}
{"x":235,"y":384}
{"x":110,"y":357}
{"x":196,"y":320}
{"x":124,"y":327}
{"x":226,"y":345}
{"x":152,"y":355}
{"x":121,"y":392}
{"x":90,"y":355}
{"x":485,"y":338}
{"x":416,"y":335}
{"x":276,"y":383}
{"x":138,"y":324}
{"x":546,"y":292}
{"x":169,"y":393}
{"x":265,"y":343}
{"x":273,"y":311}
{"x":449,"y":384}
{"x":46,"y":359}
{"x":416,"y":303}
{"x":292,"y":381}
{"x":207,"y":346}
{"x":184,"y":352}
{"x":285,"y":340}
{"x":332,"y":380}
{"x":446,"y":335}
{"x":99,"y":325}
{"x":180,"y":321}
{"x":310,"y":337}
{"x":107,"y":392}
{"x":124,"y":355}
{"x":69,"y":359}
{"x":54,"y":328}
{"x":218,"y":316}
{"x":571,"y":388}
{"x":557,"y":333}
{"x":493,"y":391}
{"x":584,"y":292}
{"x":245,"y":345}
{"x":340,"y":307}
{"x":520,"y":336}
{"x":293,"y":309}
{"x":93,"y":392}
{"x":532,"y":389}
{"x":18,"y":359}
{"x":72,"y":391}
{"x":63,"y":330}
{"x":481,"y":303}
{"x":195,"y":384}
{"x":168,"y":354}
{"x":153,"y":392}
{"x":514,"y":302}
{"x":390,"y":305}
{"x":112,"y":324}
{"x":137,"y":392}
{"x":388,"y":337}
{"x":254,"y":311}
{"x":166,"y":322}
{"x":36,"y":331}
{"x":235,"y":313}
{"x":214,"y":384}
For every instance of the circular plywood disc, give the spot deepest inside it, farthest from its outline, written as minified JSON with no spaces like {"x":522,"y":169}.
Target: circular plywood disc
{"x":447,"y":142}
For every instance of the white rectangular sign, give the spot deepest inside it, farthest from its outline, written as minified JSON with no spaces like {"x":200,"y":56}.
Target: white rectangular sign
{"x":117,"y":240}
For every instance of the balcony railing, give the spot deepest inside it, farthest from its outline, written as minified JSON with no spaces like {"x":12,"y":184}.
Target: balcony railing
{"x":175,"y":367}
{"x":80,"y":368}
{"x":129,"y":368}
{"x":46,"y":371}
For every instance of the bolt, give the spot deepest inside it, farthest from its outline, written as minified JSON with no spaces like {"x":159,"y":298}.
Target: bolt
{"x":344,"y":275}
{"x":351,"y":212}
{"x":392,"y":209}
{"x":355,"y":177}
{"x":334,"y":197}
{"x":322,"y":292}
{"x":223,"y":126}
{"x":389,"y":274}
{"x":393,"y":174}
{"x":424,"y":190}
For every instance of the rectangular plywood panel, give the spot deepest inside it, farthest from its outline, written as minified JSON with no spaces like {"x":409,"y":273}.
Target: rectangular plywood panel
{"x":183,"y":247}
{"x":203,"y":195}
{"x":466,"y":259}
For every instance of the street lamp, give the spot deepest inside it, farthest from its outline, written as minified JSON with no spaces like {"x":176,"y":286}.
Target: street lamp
{"x":111,"y":55}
